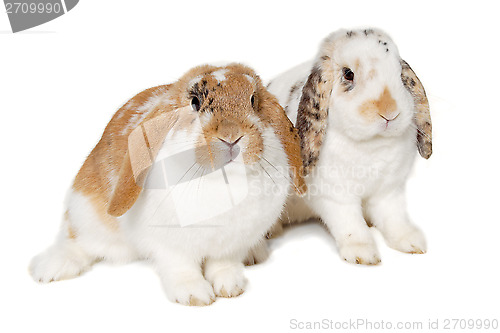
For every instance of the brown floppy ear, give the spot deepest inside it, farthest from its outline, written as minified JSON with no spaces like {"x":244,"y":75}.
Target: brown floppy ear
{"x":288,"y":135}
{"x":422,"y":112}
{"x":144,"y":143}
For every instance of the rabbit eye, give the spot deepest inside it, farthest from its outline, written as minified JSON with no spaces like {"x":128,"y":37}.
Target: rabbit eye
{"x":195,"y":103}
{"x":348,"y":74}
{"x":252,"y":100}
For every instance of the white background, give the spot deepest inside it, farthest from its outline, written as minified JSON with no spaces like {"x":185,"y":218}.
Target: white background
{"x":61,"y":82}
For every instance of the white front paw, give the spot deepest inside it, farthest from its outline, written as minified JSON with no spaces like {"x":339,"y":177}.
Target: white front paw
{"x":409,"y":240}
{"x":364,"y":253}
{"x":195,"y":292}
{"x":228,"y":282}
{"x":58,"y":263}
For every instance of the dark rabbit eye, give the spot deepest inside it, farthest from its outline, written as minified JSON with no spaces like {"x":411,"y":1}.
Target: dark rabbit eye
{"x":195,"y":103}
{"x":348,"y":74}
{"x":252,"y":100}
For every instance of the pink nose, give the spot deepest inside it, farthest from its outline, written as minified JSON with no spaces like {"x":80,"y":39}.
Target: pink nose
{"x":234,"y":149}
{"x":387,"y":119}
{"x":231,"y":144}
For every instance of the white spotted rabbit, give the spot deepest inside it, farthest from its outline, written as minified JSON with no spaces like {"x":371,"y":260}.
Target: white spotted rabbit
{"x":360,"y":111}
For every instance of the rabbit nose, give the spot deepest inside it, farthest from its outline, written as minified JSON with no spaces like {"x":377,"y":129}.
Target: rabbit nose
{"x":387,"y":119}
{"x":234,"y":149}
{"x":231,"y":144}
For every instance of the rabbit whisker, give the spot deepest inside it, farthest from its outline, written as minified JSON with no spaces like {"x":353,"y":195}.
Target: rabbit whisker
{"x":171,"y":190}
{"x":420,"y":131}
{"x":267,"y":173}
{"x":287,"y":178}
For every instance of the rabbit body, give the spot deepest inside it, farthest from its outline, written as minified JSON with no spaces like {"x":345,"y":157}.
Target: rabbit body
{"x":358,"y":117}
{"x":198,"y":230}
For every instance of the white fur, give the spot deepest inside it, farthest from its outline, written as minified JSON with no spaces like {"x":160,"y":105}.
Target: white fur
{"x":281,"y":85}
{"x":150,"y":230}
{"x":220,"y":75}
{"x":363,"y":166}
{"x":143,"y":111}
{"x":249,"y":78}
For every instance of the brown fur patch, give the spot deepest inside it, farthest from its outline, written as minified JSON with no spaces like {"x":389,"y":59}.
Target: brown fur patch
{"x":71,"y":231}
{"x":108,"y":160}
{"x":270,"y":112}
{"x":422,"y":113}
{"x":383,"y":106}
{"x":229,"y":104}
{"x":229,"y":129}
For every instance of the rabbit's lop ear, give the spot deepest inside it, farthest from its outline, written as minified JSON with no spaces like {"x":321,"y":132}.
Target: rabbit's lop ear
{"x":422,"y":113}
{"x":287,"y":134}
{"x":144,"y":143}
{"x":312,"y":117}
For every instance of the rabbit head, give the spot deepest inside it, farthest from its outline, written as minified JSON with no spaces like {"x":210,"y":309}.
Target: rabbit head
{"x":217,"y":112}
{"x":360,"y":86}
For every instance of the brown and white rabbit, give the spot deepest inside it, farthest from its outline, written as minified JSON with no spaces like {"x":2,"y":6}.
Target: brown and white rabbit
{"x":361,"y":112}
{"x":186,"y":175}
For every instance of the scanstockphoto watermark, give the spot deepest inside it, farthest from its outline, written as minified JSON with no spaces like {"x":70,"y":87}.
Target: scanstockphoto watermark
{"x":360,"y":324}
{"x":314,"y":189}
{"x":354,"y":324}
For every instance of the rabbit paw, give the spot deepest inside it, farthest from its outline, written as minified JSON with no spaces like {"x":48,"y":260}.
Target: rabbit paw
{"x":58,"y":263}
{"x":411,"y":240}
{"x":227,"y":281}
{"x":360,"y":253}
{"x":228,"y":284}
{"x":197,"y":292}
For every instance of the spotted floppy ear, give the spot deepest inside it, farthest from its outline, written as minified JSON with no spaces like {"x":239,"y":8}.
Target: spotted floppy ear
{"x":422,"y":113}
{"x":144,"y":143}
{"x":312,"y":116}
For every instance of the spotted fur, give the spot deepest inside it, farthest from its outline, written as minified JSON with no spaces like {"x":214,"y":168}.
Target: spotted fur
{"x":422,"y":114}
{"x":312,"y":115}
